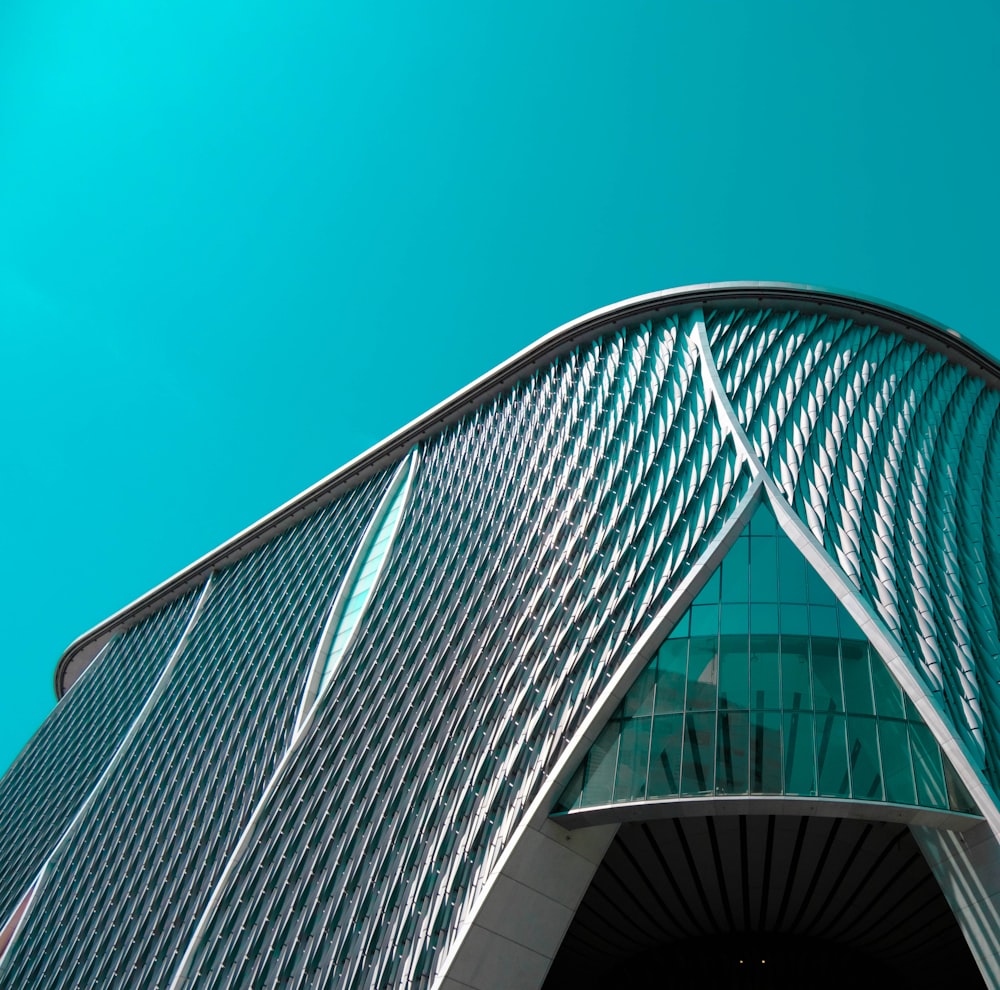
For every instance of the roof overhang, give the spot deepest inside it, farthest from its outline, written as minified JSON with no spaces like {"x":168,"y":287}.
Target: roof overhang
{"x":934,"y":336}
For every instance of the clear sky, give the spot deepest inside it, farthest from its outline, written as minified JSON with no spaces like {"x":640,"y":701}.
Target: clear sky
{"x":241,"y":242}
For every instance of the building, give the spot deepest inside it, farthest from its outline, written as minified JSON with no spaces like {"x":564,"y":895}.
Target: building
{"x":669,"y":647}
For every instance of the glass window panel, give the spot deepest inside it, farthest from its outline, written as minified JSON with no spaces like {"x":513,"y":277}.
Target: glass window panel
{"x":831,"y":756}
{"x":703,"y":673}
{"x":734,"y":674}
{"x":765,"y":664}
{"x":763,"y":523}
{"x":828,"y":694}
{"x":800,"y":769}
{"x":697,"y":766}
{"x":792,"y":569}
{"x":896,"y":766}
{"x":735,"y":618}
{"x":796,"y":688}
{"x":765,"y":753}
{"x":704,"y":620}
{"x":572,"y":797}
{"x":733,"y":759}
{"x":819,"y":590}
{"x":857,"y":678}
{"x":927,"y":768}
{"x":866,"y":769}
{"x":911,"y":709}
{"x":763,"y":617}
{"x":823,"y":621}
{"x":735,"y":572}
{"x":959,"y":798}
{"x":633,"y":755}
{"x":849,"y":629}
{"x":639,"y":700}
{"x":710,"y":592}
{"x":888,"y":697}
{"x":665,"y":756}
{"x":683,"y":628}
{"x":794,"y":619}
{"x":763,"y":569}
{"x":599,"y":782}
{"x":671,"y":675}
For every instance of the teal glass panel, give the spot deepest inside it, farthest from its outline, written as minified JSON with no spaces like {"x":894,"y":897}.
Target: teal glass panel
{"x":796,"y":675}
{"x":959,"y":798}
{"x":763,"y":523}
{"x":823,"y":621}
{"x":633,"y":756}
{"x":888,"y":696}
{"x":765,"y":753}
{"x":765,"y":671}
{"x":735,"y":619}
{"x":750,"y":694}
{"x":639,"y":700}
{"x":866,"y":765}
{"x":698,"y":760}
{"x":763,"y":569}
{"x":736,"y":573}
{"x":671,"y":676}
{"x":928,"y":767}
{"x":827,"y":689}
{"x":792,"y":573}
{"x":794,"y":619}
{"x":831,"y":756}
{"x":665,"y":756}
{"x":734,"y":672}
{"x":800,"y":758}
{"x":900,"y":787}
{"x":857,"y":678}
{"x":703,"y":672}
{"x":599,"y":778}
{"x":733,"y":753}
{"x":370,"y":559}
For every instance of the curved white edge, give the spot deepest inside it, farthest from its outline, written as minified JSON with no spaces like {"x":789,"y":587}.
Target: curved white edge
{"x":766,"y":804}
{"x":564,"y":338}
{"x":154,"y":695}
{"x":538,"y":813}
{"x":402,"y":479}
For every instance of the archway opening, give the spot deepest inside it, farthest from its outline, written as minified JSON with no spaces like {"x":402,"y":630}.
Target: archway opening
{"x":763,"y":901}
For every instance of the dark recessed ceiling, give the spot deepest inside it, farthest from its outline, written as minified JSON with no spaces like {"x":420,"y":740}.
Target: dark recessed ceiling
{"x":763,"y":902}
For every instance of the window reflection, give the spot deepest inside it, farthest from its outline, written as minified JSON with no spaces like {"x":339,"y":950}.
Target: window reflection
{"x":752,"y":694}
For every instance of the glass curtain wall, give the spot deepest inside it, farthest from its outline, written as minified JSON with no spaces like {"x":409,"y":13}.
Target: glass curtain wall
{"x":766,"y":686}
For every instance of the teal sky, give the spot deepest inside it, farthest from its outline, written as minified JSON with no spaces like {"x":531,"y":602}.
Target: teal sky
{"x":242,"y":242}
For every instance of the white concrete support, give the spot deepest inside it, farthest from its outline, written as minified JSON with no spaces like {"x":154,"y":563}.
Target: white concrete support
{"x":967,"y":868}
{"x":517,"y":932}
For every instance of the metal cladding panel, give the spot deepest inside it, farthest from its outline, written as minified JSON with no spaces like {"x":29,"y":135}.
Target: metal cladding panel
{"x":46,"y":785}
{"x":891,"y":455}
{"x":541,"y":534}
{"x":123,"y":897}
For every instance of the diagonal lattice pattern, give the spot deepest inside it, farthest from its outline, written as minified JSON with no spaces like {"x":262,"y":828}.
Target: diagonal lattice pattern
{"x":541,"y":532}
{"x":146,"y":854}
{"x":888,"y":453}
{"x":53,"y":775}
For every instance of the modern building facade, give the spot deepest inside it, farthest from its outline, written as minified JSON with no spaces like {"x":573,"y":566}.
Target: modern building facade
{"x":669,"y":647}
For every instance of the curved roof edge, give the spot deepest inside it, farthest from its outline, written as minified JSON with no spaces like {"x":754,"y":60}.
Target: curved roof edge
{"x":935,"y":336}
